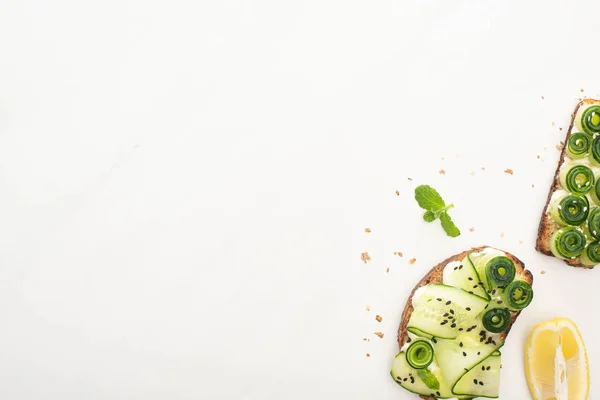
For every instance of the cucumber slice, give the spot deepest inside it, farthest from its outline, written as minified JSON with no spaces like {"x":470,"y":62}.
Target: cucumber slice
{"x":480,"y":261}
{"x":456,"y":357}
{"x":409,"y":379}
{"x":481,"y":381}
{"x":463,"y":275}
{"x":444,"y":311}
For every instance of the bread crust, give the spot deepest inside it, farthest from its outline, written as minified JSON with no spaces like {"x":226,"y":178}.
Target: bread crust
{"x":547,"y":226}
{"x":435,"y":276}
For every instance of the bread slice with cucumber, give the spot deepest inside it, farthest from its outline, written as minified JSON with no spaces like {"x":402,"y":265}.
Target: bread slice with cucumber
{"x":456,"y":320}
{"x":569,"y":228}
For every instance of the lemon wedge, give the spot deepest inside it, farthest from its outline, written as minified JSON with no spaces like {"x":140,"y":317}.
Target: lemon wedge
{"x":556,"y":362}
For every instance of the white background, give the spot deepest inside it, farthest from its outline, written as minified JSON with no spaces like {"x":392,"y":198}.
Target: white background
{"x":185,"y":185}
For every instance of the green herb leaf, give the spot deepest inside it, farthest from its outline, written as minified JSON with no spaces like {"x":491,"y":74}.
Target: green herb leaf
{"x":448,"y":225}
{"x":428,"y":379}
{"x":429,"y":216}
{"x":428,"y":198}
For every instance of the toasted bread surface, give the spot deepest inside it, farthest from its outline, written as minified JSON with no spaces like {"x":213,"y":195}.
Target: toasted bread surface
{"x":435,"y":276}
{"x":547,"y":226}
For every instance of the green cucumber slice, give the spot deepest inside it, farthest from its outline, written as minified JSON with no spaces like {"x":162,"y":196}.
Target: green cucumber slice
{"x":444,"y":311}
{"x":463,"y":275}
{"x":456,"y":357}
{"x":480,"y":261}
{"x":481,"y":381}
{"x":409,"y":379}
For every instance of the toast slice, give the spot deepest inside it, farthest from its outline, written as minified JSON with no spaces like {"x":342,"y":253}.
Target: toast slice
{"x":547,"y":226}
{"x":435,"y":276}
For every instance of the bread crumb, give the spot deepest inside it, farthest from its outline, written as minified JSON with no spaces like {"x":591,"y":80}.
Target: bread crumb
{"x":538,"y":156}
{"x":560,"y":129}
{"x":365,"y":257}
{"x":412,"y":261}
{"x":380,"y":334}
{"x":442,"y":158}
{"x":532,"y":185}
{"x":368,"y":307}
{"x":520,"y":242}
{"x":410,"y":179}
{"x":542,"y":97}
{"x":368,"y":355}
{"x":442,"y":172}
{"x":365,"y":339}
{"x":368,"y":230}
{"x":471,"y":229}
{"x":483,"y":168}
{"x":545,"y":147}
{"x":542,"y":272}
{"x":553,"y":123}
{"x":559,"y":146}
{"x":387,"y":270}
{"x":501,"y":234}
{"x":397,"y":193}
{"x":398,"y":253}
{"x":508,"y":171}
{"x":581,"y":90}
{"x":378,"y":318}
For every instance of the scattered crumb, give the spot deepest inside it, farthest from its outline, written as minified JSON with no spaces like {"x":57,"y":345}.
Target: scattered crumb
{"x":581,"y":90}
{"x":387,"y":270}
{"x":397,"y":193}
{"x":472,"y":173}
{"x":442,"y":158}
{"x":545,"y":147}
{"x":532,"y":185}
{"x":483,"y":168}
{"x":553,"y":123}
{"x":542,"y":97}
{"x":368,"y":355}
{"x":365,"y":339}
{"x":368,"y":307}
{"x":520,"y":242}
{"x":398,"y":253}
{"x":560,"y":129}
{"x":378,"y":318}
{"x":538,"y":156}
{"x":380,"y":334}
{"x":442,"y":172}
{"x":410,"y":179}
{"x":368,"y":230}
{"x":542,"y":272}
{"x":559,"y":146}
{"x":365,"y":257}
{"x":471,"y":229}
{"x":508,"y":171}
{"x":412,"y":261}
{"x":501,"y":234}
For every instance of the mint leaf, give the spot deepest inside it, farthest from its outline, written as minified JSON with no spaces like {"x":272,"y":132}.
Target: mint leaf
{"x":448,"y":225}
{"x":429,"y":216}
{"x":428,"y":198}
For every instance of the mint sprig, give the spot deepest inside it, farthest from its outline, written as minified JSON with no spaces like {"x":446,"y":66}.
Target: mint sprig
{"x":435,"y":207}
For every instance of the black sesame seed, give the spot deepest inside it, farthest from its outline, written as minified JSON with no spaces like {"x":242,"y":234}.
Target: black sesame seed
{"x":460,"y":329}
{"x":448,"y":302}
{"x":461,"y":344}
{"x":451,"y":311}
{"x":464,"y":354}
{"x":460,"y":267}
{"x":482,"y":339}
{"x":481,"y":283}
{"x":438,"y":299}
{"x":487,"y":369}
{"x":499,"y":302}
{"x":481,"y":383}
{"x":475,"y":381}
{"x":478,"y":353}
{"x":483,"y":368}
{"x":444,"y":322}
{"x":446,"y":314}
{"x":408,"y":340}
{"x":470,"y":292}
{"x":405,"y":379}
{"x":494,"y":291}
{"x":470,"y":278}
{"x":468,"y":308}
{"x":475,"y":287}
{"x":438,"y":393}
{"x":455,"y":268}
{"x":433,"y":340}
{"x":473,"y":327}
{"x":453,"y":326}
